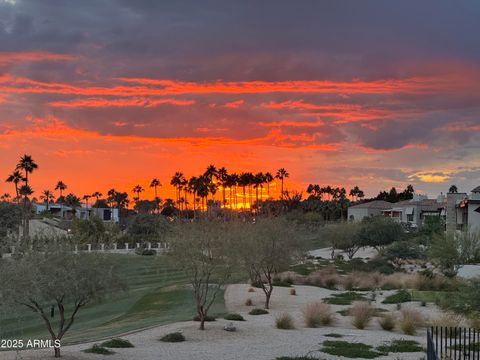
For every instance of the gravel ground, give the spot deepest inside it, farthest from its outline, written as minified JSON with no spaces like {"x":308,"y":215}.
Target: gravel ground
{"x":257,"y":338}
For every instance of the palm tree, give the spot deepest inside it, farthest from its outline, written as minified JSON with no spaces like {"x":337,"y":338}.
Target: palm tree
{"x":176,"y":182}
{"x":86,"y":198}
{"x":26,"y":191}
{"x":15,"y":177}
{"x":192,"y":188}
{"x":72,"y":201}
{"x":223,"y":177}
{"x":5,"y":197}
{"x":61,"y":187}
{"x":28,"y":165}
{"x":243,"y":181}
{"x":48,"y":197}
{"x":96,"y":195}
{"x":258,"y":182}
{"x":137,"y":190}
{"x":268,"y":180}
{"x":453,"y":189}
{"x":155,"y":183}
{"x":282,"y":174}
{"x":184,"y":187}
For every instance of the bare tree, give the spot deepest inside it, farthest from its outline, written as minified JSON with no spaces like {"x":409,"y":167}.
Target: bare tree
{"x":202,"y":250}
{"x":67,"y":280}
{"x":266,"y":248}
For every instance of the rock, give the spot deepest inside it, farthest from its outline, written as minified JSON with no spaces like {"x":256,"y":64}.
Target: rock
{"x":230,"y":327}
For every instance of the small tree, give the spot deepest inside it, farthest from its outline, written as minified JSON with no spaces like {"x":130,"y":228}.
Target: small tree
{"x":445,"y":252}
{"x":266,"y":248}
{"x":344,"y":236}
{"x":202,"y":250}
{"x":68,"y":280}
{"x":9,"y":223}
{"x":380,"y":231}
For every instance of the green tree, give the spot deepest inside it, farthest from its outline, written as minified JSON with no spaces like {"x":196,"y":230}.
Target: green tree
{"x":380,"y":231}
{"x":202,"y":250}
{"x":266,"y":248}
{"x":10,"y":220}
{"x":148,"y":227}
{"x":57,"y":280}
{"x":344,"y":236}
{"x":445,"y":252}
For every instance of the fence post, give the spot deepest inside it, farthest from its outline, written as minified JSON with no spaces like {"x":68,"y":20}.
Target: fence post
{"x":126,"y":246}
{"x":89,"y":247}
{"x":149,"y":245}
{"x":102,"y":247}
{"x":115,"y":246}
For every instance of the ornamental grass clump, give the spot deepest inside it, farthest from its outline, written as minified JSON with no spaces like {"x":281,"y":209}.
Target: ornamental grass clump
{"x":318,"y":314}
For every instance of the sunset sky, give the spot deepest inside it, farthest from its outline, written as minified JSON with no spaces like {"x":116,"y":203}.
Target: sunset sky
{"x":113,"y":93}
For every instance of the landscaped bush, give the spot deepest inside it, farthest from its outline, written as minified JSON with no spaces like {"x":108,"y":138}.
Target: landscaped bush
{"x":349,"y":350}
{"x":97,"y":349}
{"x":145,"y":252}
{"x":117,"y":343}
{"x":400,"y":296}
{"x":333,"y":335}
{"x":316,"y":314}
{"x":251,"y":290}
{"x":284,"y":322}
{"x":258,"y":312}
{"x":387,"y":322}
{"x":401,"y":346}
{"x":449,"y":320}
{"x":362,"y":313}
{"x":173,"y":337}
{"x":344,"y":298}
{"x":207,"y":318}
{"x":293,"y":292}
{"x":234,"y":317}
{"x":410,"y":320}
{"x":248,"y":302}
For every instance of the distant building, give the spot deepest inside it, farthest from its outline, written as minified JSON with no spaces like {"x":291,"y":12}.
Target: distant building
{"x":413,"y":212}
{"x":367,"y":209}
{"x":463,"y":211}
{"x":82,"y":212}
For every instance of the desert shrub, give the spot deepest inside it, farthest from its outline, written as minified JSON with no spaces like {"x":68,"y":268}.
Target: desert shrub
{"x":249,"y":302}
{"x":474,"y":320}
{"x":207,"y":318}
{"x":234,"y":317}
{"x":293,"y":292}
{"x":404,"y":250}
{"x":284,"y":322}
{"x":410,"y":320}
{"x":465,"y":299}
{"x":345,"y":298}
{"x":333,"y":335}
{"x":97,"y":349}
{"x":251,"y":290}
{"x":281,"y":283}
{"x":387,"y":322}
{"x":401,"y":346}
{"x":145,"y":252}
{"x":362,"y":313}
{"x":326,"y":278}
{"x":173,"y":337}
{"x":316,"y":314}
{"x":400,"y":296}
{"x":258,"y":312}
{"x":349,"y":350}
{"x":117,"y":343}
{"x":448,"y":320}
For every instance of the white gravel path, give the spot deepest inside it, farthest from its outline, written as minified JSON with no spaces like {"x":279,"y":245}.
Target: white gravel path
{"x":256,"y":339}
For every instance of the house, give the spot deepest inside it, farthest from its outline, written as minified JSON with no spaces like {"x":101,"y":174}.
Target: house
{"x":82,"y":212}
{"x":463,"y":211}
{"x":414,"y":211}
{"x":367,"y":209}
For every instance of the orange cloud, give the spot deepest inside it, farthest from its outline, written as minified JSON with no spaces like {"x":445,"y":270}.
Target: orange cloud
{"x":234,"y":104}
{"x":130,"y":102}
{"x":10,"y":57}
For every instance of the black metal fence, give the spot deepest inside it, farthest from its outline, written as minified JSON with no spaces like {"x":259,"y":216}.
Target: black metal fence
{"x":453,"y":343}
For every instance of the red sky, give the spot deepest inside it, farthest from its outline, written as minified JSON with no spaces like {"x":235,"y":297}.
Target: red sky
{"x":132,"y":92}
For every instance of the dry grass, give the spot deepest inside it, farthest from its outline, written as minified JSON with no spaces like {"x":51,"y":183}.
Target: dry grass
{"x":362,"y":312}
{"x":284,"y":322}
{"x":327,"y":278}
{"x":362,"y":280}
{"x":410,"y":320}
{"x":293,"y":292}
{"x":387,"y":322}
{"x":317,"y":314}
{"x":249,"y":302}
{"x":449,"y":320}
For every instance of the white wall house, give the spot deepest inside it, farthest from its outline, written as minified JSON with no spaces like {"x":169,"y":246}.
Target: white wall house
{"x":463,"y":211}
{"x":413,"y":212}
{"x":367,"y":209}
{"x":83,"y":212}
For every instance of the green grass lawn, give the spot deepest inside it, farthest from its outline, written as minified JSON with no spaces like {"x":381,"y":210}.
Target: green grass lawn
{"x":157,"y":294}
{"x":427,"y":296}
